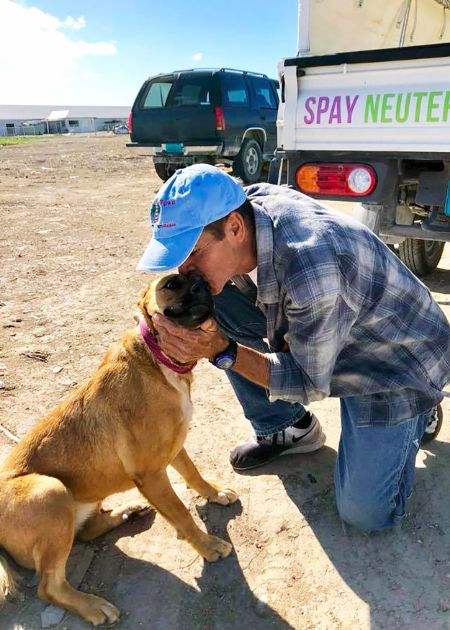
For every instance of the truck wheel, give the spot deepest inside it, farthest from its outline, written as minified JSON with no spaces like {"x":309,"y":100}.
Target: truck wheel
{"x":164,"y":170}
{"x":434,"y":426}
{"x":420,"y":256}
{"x":248,"y":162}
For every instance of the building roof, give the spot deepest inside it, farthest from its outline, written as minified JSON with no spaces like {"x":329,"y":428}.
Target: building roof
{"x":59,"y":114}
{"x":41,"y":112}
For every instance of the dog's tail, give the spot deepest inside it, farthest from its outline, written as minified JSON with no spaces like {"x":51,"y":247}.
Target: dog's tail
{"x":8,"y":580}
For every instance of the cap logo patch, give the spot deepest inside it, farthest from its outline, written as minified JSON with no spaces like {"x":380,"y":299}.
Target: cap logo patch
{"x":155,"y":211}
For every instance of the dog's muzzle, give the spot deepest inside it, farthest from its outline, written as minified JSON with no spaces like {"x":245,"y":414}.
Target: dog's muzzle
{"x":195,"y":305}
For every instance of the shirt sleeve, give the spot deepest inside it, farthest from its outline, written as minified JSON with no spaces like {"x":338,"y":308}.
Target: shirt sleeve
{"x":316,"y":334}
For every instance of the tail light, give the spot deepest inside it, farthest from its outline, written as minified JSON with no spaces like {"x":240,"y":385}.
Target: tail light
{"x":130,"y":122}
{"x":352,"y":180}
{"x":220,"y":120}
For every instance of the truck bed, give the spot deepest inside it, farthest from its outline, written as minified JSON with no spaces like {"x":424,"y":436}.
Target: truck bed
{"x":394,"y":100}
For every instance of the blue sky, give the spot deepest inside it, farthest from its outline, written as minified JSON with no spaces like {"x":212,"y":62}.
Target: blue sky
{"x":99,"y":52}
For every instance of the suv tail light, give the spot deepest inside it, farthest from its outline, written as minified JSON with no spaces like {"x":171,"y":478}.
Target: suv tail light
{"x":352,"y":180}
{"x":130,"y":122}
{"x":220,"y":120}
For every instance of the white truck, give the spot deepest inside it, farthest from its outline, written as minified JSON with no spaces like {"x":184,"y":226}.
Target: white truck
{"x":364,"y":115}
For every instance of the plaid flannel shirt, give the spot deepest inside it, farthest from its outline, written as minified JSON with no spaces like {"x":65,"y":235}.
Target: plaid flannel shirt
{"x":357,"y":322}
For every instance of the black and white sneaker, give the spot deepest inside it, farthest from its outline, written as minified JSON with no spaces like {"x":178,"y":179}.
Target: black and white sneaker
{"x":305,"y":436}
{"x":434,"y":425}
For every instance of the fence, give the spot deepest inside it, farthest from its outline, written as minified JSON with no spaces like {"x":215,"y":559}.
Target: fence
{"x":15,"y":129}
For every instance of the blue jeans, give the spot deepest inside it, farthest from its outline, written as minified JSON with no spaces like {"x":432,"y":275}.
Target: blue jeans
{"x":375,"y":465}
{"x":239,"y":319}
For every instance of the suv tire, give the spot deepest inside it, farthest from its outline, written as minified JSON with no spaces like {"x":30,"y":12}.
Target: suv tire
{"x":164,"y":170}
{"x":433,"y":428}
{"x":422,"y":257}
{"x":248,"y":162}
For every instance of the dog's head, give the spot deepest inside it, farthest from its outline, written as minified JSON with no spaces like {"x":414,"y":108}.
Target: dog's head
{"x":186,"y":300}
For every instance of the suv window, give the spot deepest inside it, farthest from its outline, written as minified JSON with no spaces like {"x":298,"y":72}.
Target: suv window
{"x":263,"y":93}
{"x":157,"y":94}
{"x":192,"y":90}
{"x":234,"y":90}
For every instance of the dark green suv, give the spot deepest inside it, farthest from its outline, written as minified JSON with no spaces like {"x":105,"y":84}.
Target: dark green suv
{"x":215,"y":116}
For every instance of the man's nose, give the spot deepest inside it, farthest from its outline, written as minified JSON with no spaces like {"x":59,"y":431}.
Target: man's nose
{"x":186,"y":267}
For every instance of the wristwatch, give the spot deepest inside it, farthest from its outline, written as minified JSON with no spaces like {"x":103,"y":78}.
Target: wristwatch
{"x":225,"y":359}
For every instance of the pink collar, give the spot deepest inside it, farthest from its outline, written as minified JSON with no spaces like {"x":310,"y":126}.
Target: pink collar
{"x":152,"y":345}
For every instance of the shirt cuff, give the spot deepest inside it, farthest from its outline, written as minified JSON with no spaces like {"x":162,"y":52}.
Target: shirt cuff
{"x":286,"y":380}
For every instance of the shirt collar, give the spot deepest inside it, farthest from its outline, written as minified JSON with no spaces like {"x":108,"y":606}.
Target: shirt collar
{"x":268,"y":288}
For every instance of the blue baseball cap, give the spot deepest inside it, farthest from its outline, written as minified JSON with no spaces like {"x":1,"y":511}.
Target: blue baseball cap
{"x":193,"y":197}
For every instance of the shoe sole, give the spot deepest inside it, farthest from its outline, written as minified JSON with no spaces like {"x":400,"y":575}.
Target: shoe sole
{"x":296,"y":450}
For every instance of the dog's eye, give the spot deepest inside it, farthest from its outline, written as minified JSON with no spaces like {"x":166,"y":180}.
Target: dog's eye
{"x":172,"y":284}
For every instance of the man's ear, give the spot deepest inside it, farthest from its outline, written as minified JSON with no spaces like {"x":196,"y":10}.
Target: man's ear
{"x":236,"y":225}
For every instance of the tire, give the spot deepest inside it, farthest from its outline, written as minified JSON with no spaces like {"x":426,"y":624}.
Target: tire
{"x":164,"y":170}
{"x":432,"y":431}
{"x":248,"y":162}
{"x":422,"y":257}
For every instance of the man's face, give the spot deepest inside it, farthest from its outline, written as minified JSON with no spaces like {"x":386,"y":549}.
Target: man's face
{"x":212,"y":259}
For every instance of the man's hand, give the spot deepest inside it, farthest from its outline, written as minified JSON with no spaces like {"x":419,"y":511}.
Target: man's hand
{"x":185,"y":345}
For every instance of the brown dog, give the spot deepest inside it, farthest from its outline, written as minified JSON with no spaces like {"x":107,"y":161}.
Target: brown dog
{"x":119,"y":429}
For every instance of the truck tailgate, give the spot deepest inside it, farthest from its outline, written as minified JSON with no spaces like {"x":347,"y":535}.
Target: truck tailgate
{"x":378,"y":101}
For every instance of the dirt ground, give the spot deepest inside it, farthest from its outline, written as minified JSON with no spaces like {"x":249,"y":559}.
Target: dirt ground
{"x":74,"y":221}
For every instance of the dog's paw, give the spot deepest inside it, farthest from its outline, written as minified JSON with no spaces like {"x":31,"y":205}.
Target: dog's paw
{"x":225,"y":496}
{"x":213,"y":548}
{"x":98,"y":611}
{"x":133,"y":511}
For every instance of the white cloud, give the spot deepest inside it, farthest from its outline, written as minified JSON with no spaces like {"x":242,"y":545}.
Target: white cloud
{"x":70,"y":22}
{"x":197,"y":56}
{"x":40,"y":62}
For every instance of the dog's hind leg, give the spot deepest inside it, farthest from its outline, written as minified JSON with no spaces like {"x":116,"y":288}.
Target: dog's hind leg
{"x":40,"y":525}
{"x":54,"y":588}
{"x":156,"y":488}
{"x":186,"y":467}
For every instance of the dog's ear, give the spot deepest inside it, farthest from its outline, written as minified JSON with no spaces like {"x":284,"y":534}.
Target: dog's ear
{"x":142,"y":301}
{"x":147,"y":301}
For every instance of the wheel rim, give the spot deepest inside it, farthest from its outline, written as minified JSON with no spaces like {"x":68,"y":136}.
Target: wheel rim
{"x":252,"y":161}
{"x":433,"y":422}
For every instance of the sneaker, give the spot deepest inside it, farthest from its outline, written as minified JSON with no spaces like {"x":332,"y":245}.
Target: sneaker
{"x":305,"y":436}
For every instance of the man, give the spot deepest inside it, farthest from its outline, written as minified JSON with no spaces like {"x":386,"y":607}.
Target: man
{"x":342,"y":315}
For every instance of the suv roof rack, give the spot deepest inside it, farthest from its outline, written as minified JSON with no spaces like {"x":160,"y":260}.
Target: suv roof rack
{"x":255,"y":74}
{"x":193,"y":70}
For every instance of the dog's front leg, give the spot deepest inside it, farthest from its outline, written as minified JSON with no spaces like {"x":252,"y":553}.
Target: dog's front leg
{"x":157,"y":490}
{"x":186,"y":467}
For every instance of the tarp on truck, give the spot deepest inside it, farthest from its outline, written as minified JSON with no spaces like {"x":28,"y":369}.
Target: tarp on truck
{"x":346,"y":25}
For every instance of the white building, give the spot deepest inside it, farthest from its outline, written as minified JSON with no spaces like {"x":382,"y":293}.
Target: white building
{"x":39,"y":119}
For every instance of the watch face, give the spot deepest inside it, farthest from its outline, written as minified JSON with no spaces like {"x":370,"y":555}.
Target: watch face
{"x":225,"y":362}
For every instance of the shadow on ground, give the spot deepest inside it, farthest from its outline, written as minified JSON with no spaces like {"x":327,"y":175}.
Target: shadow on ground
{"x":403,"y":575}
{"x":438,"y":282}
